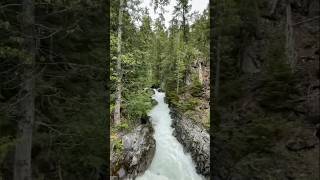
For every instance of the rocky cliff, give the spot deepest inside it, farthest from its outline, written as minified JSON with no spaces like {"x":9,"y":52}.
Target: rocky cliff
{"x":138,"y":150}
{"x":195,"y":139}
{"x":190,"y":115}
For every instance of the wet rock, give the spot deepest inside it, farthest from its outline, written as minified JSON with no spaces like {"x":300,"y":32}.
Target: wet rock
{"x":194,"y":139}
{"x":251,"y":62}
{"x":138,"y":151}
{"x":160,"y":90}
{"x":144,"y":119}
{"x":122,"y":173}
{"x":155,"y":86}
{"x":114,"y":178}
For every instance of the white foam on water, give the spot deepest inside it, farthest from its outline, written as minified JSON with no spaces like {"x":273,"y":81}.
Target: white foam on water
{"x":170,"y":162}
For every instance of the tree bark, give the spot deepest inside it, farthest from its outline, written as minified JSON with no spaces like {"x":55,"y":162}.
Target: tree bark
{"x":217,"y":82}
{"x":22,"y":160}
{"x":117,"y":113}
{"x":178,"y":83}
{"x":217,"y":53}
{"x":290,"y":37}
{"x":178,"y":75}
{"x":60,"y":171}
{"x":274,"y":6}
{"x":307,"y":20}
{"x":184,"y":24}
{"x":200,"y":72}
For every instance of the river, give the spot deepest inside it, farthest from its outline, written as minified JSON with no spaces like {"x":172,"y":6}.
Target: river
{"x":170,"y":162}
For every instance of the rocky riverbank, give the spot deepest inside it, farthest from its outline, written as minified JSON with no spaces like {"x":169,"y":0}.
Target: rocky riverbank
{"x":137,"y":153}
{"x":195,"y":139}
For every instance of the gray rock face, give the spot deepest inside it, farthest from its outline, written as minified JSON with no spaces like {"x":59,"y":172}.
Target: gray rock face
{"x":251,"y":62}
{"x":195,"y":140}
{"x":139,"y":149}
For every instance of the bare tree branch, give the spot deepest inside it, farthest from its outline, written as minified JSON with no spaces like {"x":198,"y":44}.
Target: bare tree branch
{"x":8,"y":5}
{"x":307,"y":20}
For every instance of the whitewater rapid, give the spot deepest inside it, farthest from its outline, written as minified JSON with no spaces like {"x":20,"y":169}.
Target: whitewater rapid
{"x":170,"y":162}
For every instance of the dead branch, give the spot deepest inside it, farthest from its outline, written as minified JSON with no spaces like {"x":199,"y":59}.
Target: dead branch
{"x":307,"y":20}
{"x":8,"y":5}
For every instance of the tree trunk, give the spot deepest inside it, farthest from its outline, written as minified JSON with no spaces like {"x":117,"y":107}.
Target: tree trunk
{"x":217,"y":54}
{"x":184,"y":24}
{"x":119,"y":71}
{"x":274,"y":6}
{"x":22,"y":160}
{"x":200,"y":72}
{"x":289,"y":37}
{"x":178,"y":77}
{"x":60,"y":171}
{"x":217,"y":82}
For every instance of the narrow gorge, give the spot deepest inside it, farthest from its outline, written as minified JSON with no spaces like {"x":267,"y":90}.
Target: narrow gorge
{"x":170,"y":160}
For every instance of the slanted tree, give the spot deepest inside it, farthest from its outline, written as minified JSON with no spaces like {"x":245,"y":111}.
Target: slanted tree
{"x":22,"y":159}
{"x":289,"y":36}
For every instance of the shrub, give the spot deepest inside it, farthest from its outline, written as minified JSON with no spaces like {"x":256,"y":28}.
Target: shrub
{"x":122,"y":126}
{"x":188,"y":105}
{"x":118,"y":146}
{"x":196,"y":89}
{"x":278,"y":79}
{"x":172,"y":98}
{"x":231,"y":91}
{"x":138,"y":104}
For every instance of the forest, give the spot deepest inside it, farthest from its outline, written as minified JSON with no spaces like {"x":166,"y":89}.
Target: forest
{"x":55,"y":62}
{"x":154,"y":56}
{"x":174,"y":59}
{"x":53,"y":113}
{"x":96,"y":90}
{"x":265,"y":111}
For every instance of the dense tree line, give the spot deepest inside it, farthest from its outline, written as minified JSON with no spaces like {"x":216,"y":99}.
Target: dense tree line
{"x":260,"y":89}
{"x":53,"y":113}
{"x":153,"y":55}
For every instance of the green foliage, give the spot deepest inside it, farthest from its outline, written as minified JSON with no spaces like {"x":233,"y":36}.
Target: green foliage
{"x":199,"y":35}
{"x":188,"y":105}
{"x":262,"y":134}
{"x":70,"y":118}
{"x":117,"y":143}
{"x":9,"y":52}
{"x":123,"y":126}
{"x":231,"y":91}
{"x":258,"y":136}
{"x":118,"y":146}
{"x":138,"y":105}
{"x":279,"y":82}
{"x":172,"y":97}
{"x":154,"y":56}
{"x":6,"y":143}
{"x":249,"y":13}
{"x":160,"y":3}
{"x":196,"y":88}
